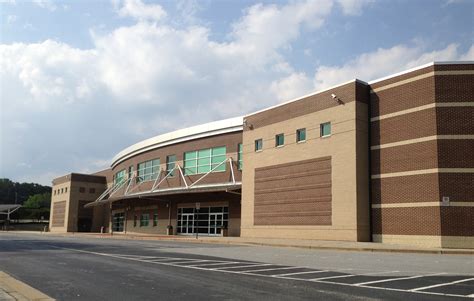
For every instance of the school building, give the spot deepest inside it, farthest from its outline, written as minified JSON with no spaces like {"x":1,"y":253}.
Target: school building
{"x":388,"y":161}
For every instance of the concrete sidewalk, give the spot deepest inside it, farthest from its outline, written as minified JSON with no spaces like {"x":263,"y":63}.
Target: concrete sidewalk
{"x":297,"y":243}
{"x":12,"y":289}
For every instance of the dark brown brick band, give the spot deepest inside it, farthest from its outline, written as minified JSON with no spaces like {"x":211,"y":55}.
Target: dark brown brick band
{"x":297,"y":193}
{"x":455,"y":88}
{"x":436,"y":221}
{"x":459,"y":187}
{"x":406,"y":189}
{"x":59,"y":213}
{"x":415,"y":156}
{"x":457,"y":221}
{"x":410,"y":95}
{"x":455,"y":120}
{"x":406,"y":221}
{"x":404,"y":127}
{"x":456,"y":153}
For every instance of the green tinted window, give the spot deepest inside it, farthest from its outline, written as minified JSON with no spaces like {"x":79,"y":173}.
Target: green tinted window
{"x":170,"y":164}
{"x":279,"y":140}
{"x":148,"y":170}
{"x":204,"y":160}
{"x":258,"y":144}
{"x":120,"y":177}
{"x":300,"y":135}
{"x":325,"y":129}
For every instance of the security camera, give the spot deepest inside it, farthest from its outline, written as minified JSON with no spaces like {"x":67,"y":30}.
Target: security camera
{"x":333,"y":96}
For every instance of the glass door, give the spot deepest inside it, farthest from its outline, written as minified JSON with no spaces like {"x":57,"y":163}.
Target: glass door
{"x":215,"y":223}
{"x":187,"y":223}
{"x":118,"y":222}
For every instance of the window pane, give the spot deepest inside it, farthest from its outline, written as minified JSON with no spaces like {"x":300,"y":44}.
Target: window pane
{"x":190,"y":171}
{"x":300,"y":135}
{"x":218,"y":159}
{"x":218,"y":151}
{"x":204,"y":169}
{"x":190,"y":155}
{"x":204,"y":153}
{"x":220,"y":168}
{"x":326,"y":129}
{"x":190,"y":163}
{"x":279,"y":140}
{"x":204,"y":161}
{"x":258,"y":144}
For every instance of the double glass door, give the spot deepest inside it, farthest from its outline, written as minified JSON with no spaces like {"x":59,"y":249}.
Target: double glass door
{"x":216,"y":221}
{"x":118,"y":222}
{"x":187,"y":223}
{"x":206,"y":221}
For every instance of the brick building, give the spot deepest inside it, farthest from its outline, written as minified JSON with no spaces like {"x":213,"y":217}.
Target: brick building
{"x":386,"y":161}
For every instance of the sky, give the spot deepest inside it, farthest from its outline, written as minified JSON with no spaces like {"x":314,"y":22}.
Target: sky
{"x":82,"y":80}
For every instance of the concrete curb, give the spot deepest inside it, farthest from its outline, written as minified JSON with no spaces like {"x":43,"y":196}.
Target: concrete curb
{"x":18,"y":290}
{"x":385,"y":248}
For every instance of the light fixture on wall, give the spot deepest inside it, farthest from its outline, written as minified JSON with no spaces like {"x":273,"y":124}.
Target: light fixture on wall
{"x":248,"y":125}
{"x":337,"y":99}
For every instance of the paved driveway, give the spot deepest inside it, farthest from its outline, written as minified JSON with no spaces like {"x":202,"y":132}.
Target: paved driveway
{"x":103,"y":269}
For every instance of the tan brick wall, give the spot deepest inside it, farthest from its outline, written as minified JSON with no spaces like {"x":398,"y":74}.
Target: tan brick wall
{"x":349,"y":183}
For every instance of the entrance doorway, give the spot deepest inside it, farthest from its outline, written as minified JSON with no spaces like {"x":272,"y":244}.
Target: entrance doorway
{"x":216,"y":221}
{"x":118,"y":222}
{"x":207,"y":221}
{"x":187,"y":223}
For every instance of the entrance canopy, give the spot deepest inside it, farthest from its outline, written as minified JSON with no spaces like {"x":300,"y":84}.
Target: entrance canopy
{"x":8,"y":209}
{"x":127,"y":187}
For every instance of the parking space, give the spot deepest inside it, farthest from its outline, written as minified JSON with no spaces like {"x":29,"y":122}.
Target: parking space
{"x":441,"y":284}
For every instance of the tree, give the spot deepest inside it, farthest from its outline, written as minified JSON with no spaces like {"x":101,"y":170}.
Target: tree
{"x":40,"y":200}
{"x":13,"y":192}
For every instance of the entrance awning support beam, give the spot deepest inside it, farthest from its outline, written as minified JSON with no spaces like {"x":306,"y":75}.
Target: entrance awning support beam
{"x":167,"y":175}
{"x":232,"y":170}
{"x":130,"y":183}
{"x":182,"y":176}
{"x":206,"y":174}
{"x":156,"y":180}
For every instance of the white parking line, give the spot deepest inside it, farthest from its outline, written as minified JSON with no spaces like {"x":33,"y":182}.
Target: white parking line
{"x":395,"y":279}
{"x":206,"y":264}
{"x":242,"y":266}
{"x":273,"y":269}
{"x":441,"y":284}
{"x":298,"y":273}
{"x":138,"y":256}
{"x":280,"y":276}
{"x":193,"y":261}
{"x":355,"y":275}
{"x":169,"y":259}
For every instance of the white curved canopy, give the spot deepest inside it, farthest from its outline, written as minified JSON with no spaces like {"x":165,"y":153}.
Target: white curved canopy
{"x":199,"y":131}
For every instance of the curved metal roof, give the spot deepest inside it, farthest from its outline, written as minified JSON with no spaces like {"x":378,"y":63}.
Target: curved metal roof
{"x":199,"y":131}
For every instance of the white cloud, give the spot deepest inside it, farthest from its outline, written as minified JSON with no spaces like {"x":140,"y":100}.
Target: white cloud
{"x":469,"y":55}
{"x":141,"y":11}
{"x":67,"y":109}
{"x":11,"y":19}
{"x":292,"y":86}
{"x":353,"y":7}
{"x":47,"y":4}
{"x":382,"y":62}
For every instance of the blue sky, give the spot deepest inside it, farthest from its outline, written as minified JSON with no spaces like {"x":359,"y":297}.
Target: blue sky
{"x":81,"y":80}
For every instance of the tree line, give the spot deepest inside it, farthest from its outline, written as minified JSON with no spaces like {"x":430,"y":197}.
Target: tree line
{"x":34,"y":198}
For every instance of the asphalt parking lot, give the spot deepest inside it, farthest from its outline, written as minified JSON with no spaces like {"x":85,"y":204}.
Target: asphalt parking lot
{"x":95,"y":269}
